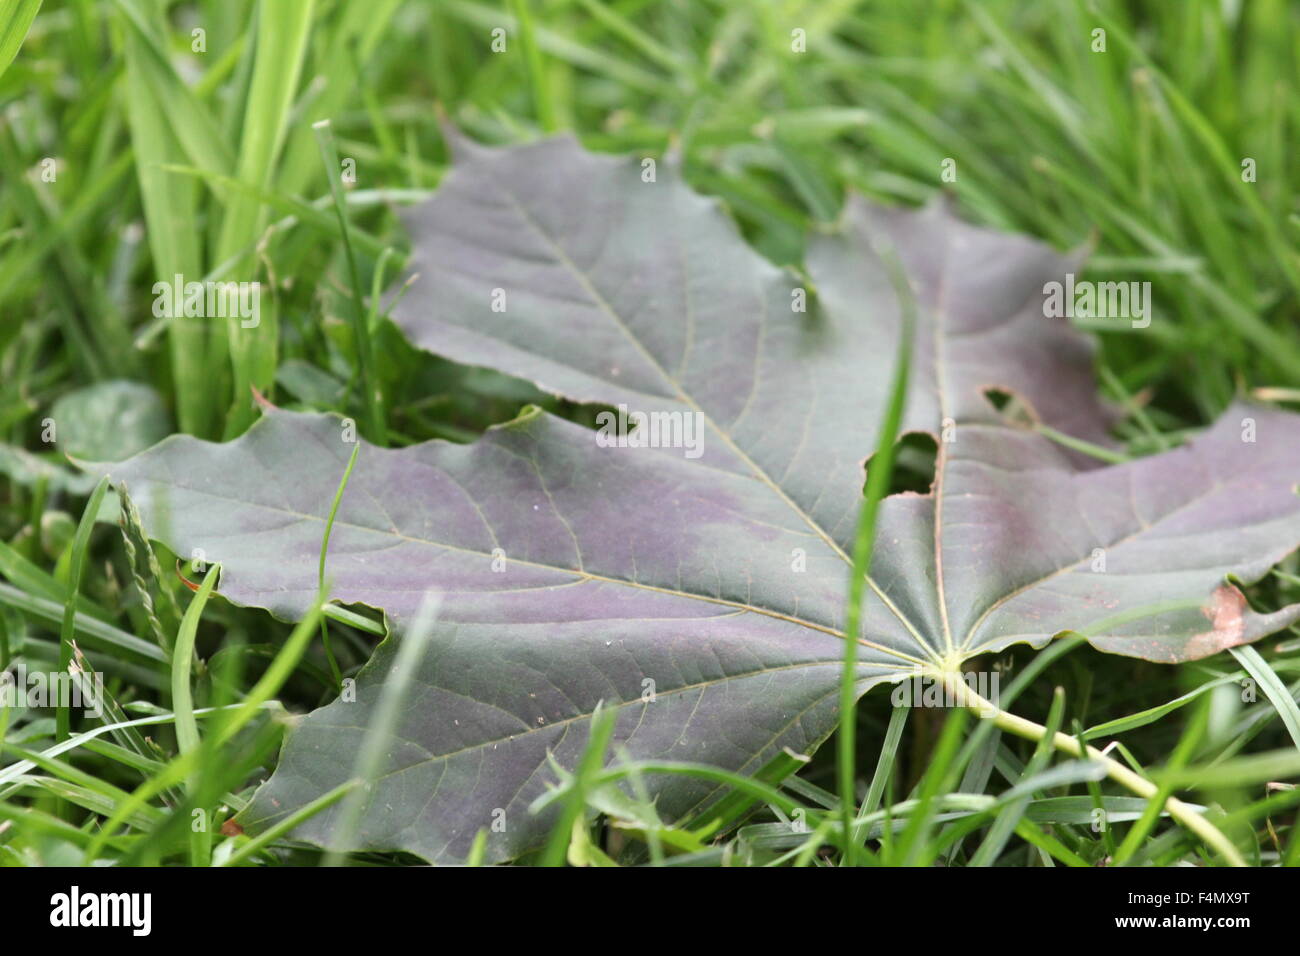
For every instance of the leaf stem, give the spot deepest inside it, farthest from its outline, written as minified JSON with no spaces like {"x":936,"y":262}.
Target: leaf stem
{"x":1180,"y":811}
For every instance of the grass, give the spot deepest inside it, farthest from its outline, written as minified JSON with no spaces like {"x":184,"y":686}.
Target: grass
{"x":131,"y":155}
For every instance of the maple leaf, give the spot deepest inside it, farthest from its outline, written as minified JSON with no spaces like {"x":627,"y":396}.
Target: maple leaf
{"x":698,"y":589}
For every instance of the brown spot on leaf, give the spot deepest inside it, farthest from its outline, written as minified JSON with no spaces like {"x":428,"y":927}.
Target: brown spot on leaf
{"x":231,"y":828}
{"x":1227,"y":615}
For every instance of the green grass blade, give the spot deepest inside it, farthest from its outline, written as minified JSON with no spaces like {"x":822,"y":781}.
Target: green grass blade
{"x":187,"y":728}
{"x":282,"y":34}
{"x":879,"y":472}
{"x":16,"y":18}
{"x":1272,"y":686}
{"x":372,"y":397}
{"x":324,"y":552}
{"x":80,"y":548}
{"x":378,"y":738}
{"x":1009,"y":818}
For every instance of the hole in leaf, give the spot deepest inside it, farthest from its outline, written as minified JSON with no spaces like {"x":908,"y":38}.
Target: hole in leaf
{"x":997,"y":398}
{"x":1013,"y":410}
{"x":914,"y":458}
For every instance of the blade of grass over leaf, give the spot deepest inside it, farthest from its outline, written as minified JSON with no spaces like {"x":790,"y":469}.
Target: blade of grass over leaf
{"x":880,"y":470}
{"x":264,"y":839}
{"x":384,"y":721}
{"x":324,"y":553}
{"x":574,"y":797}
